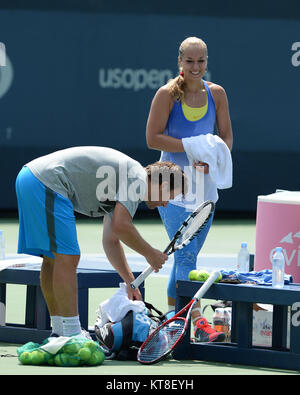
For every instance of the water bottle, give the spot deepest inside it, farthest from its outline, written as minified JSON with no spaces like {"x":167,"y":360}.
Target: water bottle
{"x":278,"y":268}
{"x":228,"y":313}
{"x":221,"y":320}
{"x":2,"y":245}
{"x":243,"y":259}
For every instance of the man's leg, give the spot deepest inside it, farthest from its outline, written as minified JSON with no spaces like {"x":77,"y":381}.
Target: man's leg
{"x":65,"y":284}
{"x":59,"y":286}
{"x":66,"y":292}
{"x":46,"y":278}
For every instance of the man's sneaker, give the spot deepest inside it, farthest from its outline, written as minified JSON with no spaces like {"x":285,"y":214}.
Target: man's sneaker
{"x":84,"y":334}
{"x":53,"y":335}
{"x":205,"y":333}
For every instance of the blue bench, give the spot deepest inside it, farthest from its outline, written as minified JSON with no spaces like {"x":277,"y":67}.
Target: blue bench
{"x":37,"y":320}
{"x":240,"y":350}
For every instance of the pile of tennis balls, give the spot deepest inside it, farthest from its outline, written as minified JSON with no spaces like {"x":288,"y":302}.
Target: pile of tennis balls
{"x":201,"y":275}
{"x":73,"y":353}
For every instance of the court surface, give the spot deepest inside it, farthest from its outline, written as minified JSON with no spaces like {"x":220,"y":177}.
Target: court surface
{"x":223,"y":242}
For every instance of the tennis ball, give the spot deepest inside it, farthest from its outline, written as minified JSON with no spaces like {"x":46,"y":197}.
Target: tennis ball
{"x":25,"y":358}
{"x":57,"y":360}
{"x":72,"y":347}
{"x":37,"y":357}
{"x":51,"y":361}
{"x":97,"y":358}
{"x":193,"y":275}
{"x":61,"y":359}
{"x":74,"y":360}
{"x":202,"y":275}
{"x":219,"y":278}
{"x":47,"y":356}
{"x":84,"y":354}
{"x":91,"y":345}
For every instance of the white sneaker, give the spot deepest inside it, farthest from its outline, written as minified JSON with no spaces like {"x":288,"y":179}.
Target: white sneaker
{"x":84,"y":334}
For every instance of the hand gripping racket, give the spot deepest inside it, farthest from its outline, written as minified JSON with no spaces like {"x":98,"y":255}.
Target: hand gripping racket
{"x":165,"y":338}
{"x":185,"y":234}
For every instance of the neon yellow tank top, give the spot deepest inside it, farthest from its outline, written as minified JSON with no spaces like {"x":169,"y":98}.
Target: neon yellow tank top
{"x":194,"y":114}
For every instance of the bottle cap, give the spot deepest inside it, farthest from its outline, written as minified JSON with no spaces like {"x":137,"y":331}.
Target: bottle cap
{"x":243,"y":245}
{"x":278,"y":249}
{"x":219,"y":310}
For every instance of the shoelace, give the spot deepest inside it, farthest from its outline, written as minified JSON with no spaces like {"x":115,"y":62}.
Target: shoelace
{"x":205,"y":326}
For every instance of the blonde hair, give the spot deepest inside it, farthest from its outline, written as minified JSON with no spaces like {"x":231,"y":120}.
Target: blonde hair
{"x":176,"y":85}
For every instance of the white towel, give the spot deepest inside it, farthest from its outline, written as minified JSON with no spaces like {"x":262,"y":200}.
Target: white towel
{"x":115,"y":308}
{"x":55,"y":344}
{"x":212,"y":150}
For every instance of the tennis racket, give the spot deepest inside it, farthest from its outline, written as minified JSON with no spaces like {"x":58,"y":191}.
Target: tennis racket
{"x":167,"y":336}
{"x":185,"y":234}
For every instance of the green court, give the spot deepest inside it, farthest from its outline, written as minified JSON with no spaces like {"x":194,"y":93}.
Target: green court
{"x":223,"y":240}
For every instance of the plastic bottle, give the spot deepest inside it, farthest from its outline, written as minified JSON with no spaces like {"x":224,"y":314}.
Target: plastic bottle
{"x":2,"y":245}
{"x":227,"y":322}
{"x":278,"y":268}
{"x":221,"y":320}
{"x":243,"y":259}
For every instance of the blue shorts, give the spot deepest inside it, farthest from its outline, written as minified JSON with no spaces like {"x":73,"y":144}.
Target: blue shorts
{"x":185,"y":259}
{"x":46,"y":219}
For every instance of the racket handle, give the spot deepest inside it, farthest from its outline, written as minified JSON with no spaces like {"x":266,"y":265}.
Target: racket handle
{"x":138,"y":281}
{"x":208,"y":283}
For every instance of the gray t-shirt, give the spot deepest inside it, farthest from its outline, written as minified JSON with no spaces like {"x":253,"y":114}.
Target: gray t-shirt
{"x":93,"y":178}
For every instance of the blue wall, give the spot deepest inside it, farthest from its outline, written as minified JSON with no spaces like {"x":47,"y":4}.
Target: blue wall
{"x":88,"y":79}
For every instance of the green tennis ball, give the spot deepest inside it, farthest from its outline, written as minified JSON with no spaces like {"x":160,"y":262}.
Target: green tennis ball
{"x":101,"y":356}
{"x":202,"y":275}
{"x":74,"y":360}
{"x":219,"y":278}
{"x":84,"y":354}
{"x":37,"y":357}
{"x":51,"y":361}
{"x":96,"y":359}
{"x":91,"y":345}
{"x":25,"y":358}
{"x":47,"y":356}
{"x":57,"y":360}
{"x":71,"y":347}
{"x":61,"y":359}
{"x":193,"y":275}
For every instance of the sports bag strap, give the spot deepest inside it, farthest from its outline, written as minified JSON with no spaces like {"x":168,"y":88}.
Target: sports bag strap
{"x":127,"y":328}
{"x":151,"y":307}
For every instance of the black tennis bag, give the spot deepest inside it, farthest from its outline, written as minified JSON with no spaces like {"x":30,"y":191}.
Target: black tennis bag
{"x":121,"y":340}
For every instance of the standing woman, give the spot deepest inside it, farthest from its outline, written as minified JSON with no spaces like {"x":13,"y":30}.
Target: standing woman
{"x":188,"y":106}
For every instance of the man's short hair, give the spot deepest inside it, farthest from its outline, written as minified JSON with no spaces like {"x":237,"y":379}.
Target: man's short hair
{"x":168,"y":171}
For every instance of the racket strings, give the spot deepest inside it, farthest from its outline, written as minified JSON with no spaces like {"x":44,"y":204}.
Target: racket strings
{"x":194,"y":225}
{"x":162,"y":341}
